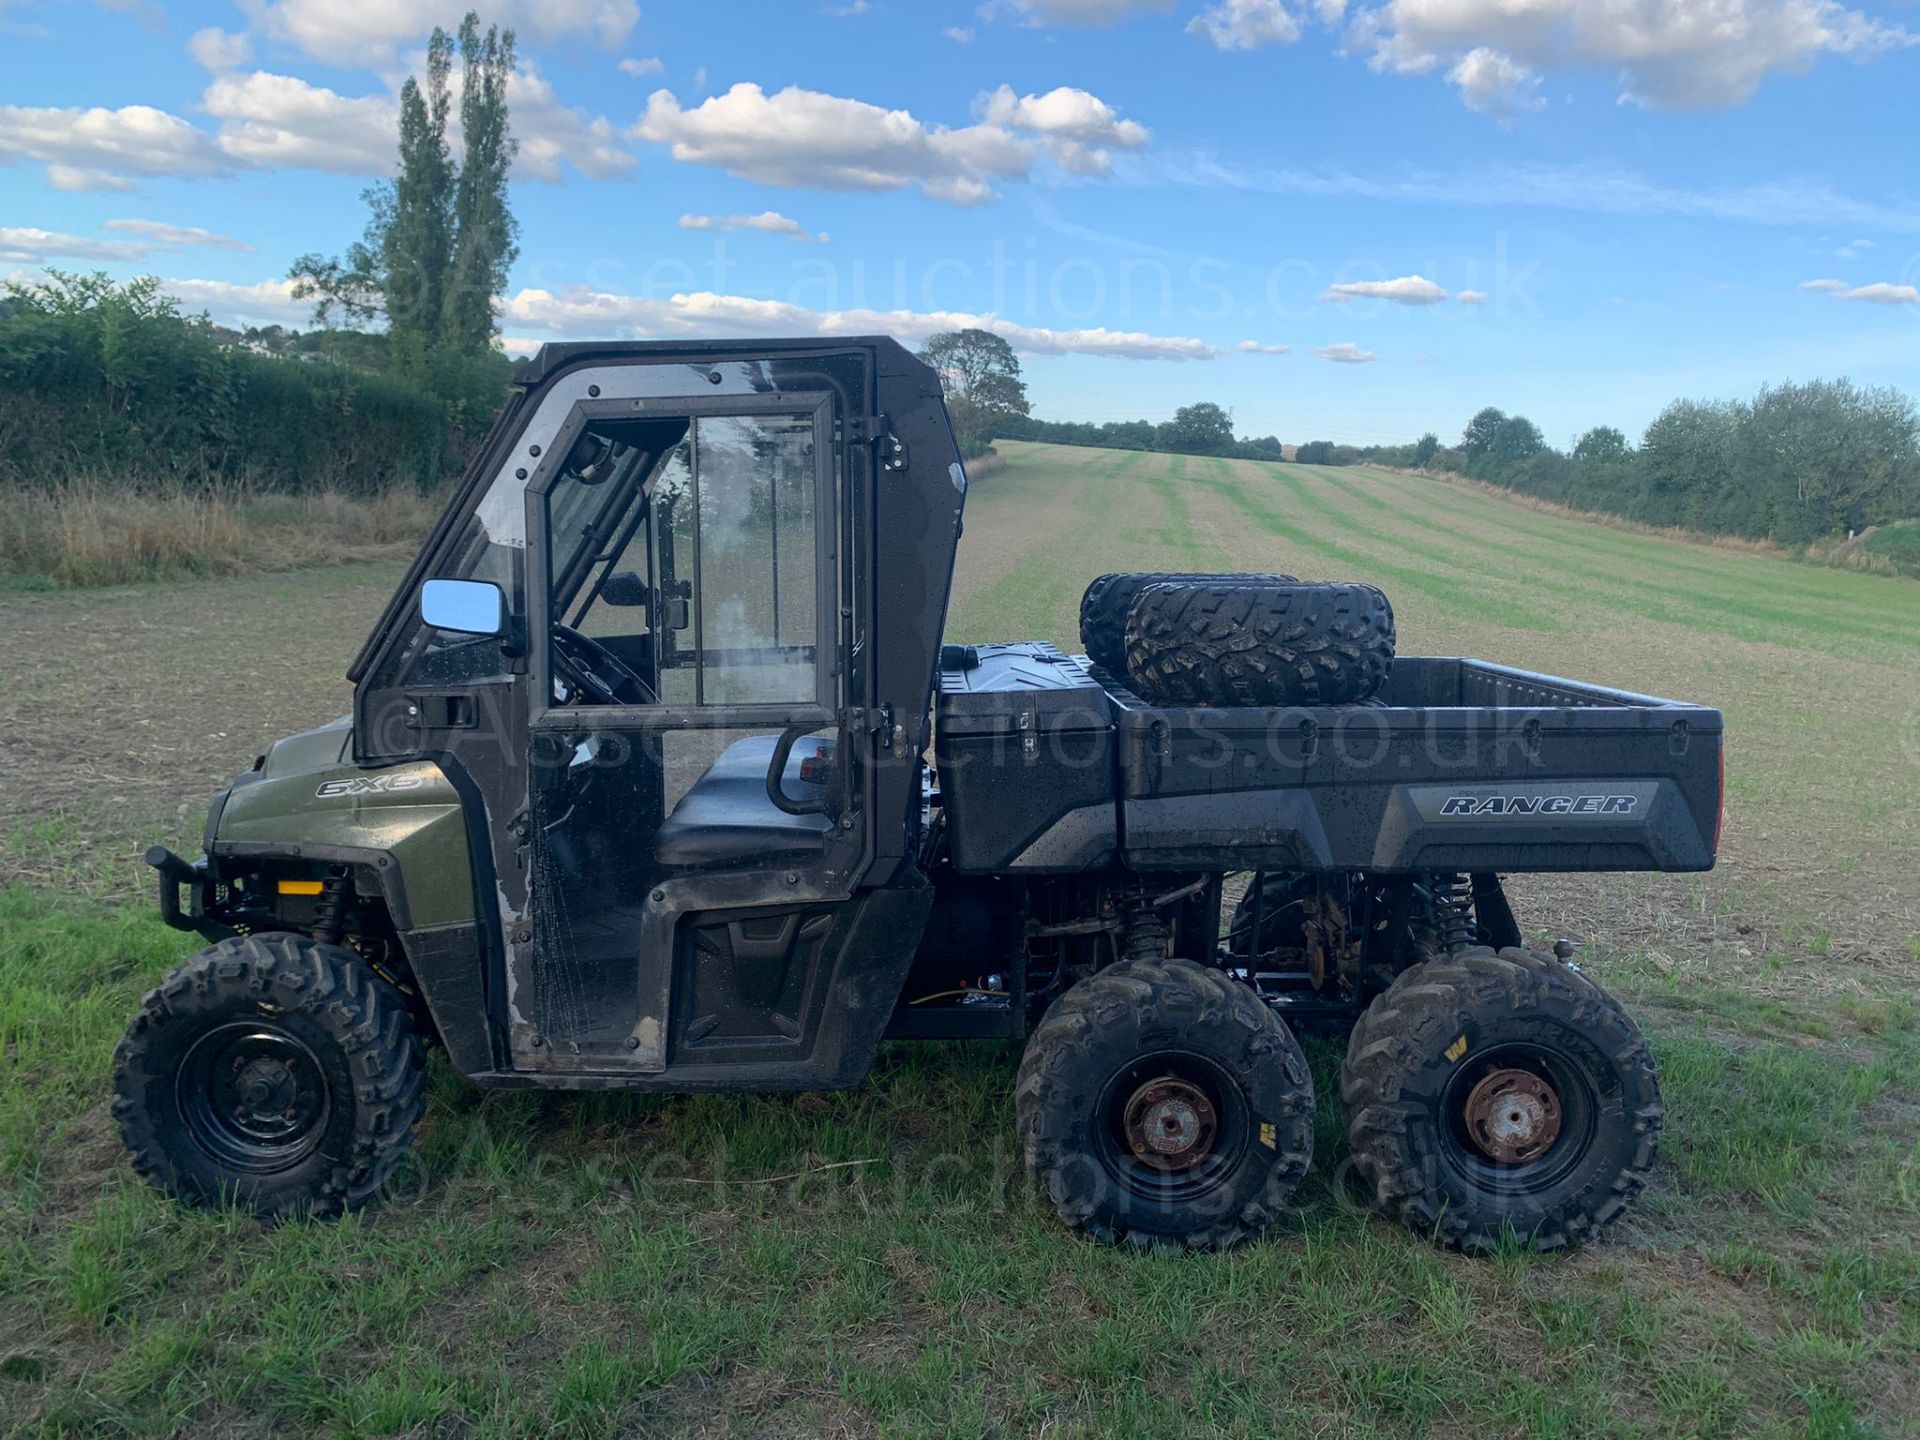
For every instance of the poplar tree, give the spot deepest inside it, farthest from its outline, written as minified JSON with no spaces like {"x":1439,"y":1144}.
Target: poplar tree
{"x":440,"y":239}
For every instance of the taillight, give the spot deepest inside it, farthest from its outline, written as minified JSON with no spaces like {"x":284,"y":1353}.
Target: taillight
{"x":1720,"y":819}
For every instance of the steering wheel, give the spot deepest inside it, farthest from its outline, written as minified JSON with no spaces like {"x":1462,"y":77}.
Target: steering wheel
{"x":595,"y":674}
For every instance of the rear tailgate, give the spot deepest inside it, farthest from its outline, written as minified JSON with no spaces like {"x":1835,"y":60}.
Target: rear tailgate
{"x":1458,"y":765}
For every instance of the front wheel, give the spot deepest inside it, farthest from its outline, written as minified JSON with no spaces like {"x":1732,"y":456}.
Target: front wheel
{"x":1162,"y":1104}
{"x":1493,"y":1093}
{"x":273,"y":1072}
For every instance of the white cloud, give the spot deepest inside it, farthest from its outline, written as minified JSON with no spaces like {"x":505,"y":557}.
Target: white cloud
{"x":1472,"y":297}
{"x":848,"y":11}
{"x":554,"y":135}
{"x":1825,"y":287}
{"x":1405,"y":290}
{"x":1254,"y":347}
{"x":272,"y":121}
{"x":1853,"y":250}
{"x":1084,"y":12}
{"x":767,"y":222}
{"x":1075,"y":125}
{"x":959,"y":34}
{"x":1881,"y":293}
{"x":1583,"y":188}
{"x":642,"y":66}
{"x":1494,"y":83}
{"x":217,"y":49}
{"x":162,"y":233}
{"x":798,"y":138}
{"x":265,"y":121}
{"x":584,"y":312}
{"x":1245,"y":24}
{"x":89,"y":146}
{"x":29,"y":245}
{"x":67,"y":177}
{"x":1064,"y":113}
{"x":25,"y":245}
{"x":369,"y":32}
{"x":1668,"y":54}
{"x":1345,"y":352}
{"x":270,"y":302}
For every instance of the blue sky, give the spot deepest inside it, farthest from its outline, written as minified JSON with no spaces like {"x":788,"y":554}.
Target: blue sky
{"x":1348,"y":220}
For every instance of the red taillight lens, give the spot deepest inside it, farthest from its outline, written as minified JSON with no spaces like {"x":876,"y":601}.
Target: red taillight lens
{"x":1720,"y":819}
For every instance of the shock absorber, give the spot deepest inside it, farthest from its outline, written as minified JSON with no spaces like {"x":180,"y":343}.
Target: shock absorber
{"x":330,"y":910}
{"x":1452,"y":900}
{"x":1146,"y":933}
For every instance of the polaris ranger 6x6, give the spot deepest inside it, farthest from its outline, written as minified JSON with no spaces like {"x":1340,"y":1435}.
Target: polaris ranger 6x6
{"x":659,"y":777}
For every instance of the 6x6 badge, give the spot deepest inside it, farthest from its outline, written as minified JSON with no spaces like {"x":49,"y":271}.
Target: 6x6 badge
{"x":367,"y":785}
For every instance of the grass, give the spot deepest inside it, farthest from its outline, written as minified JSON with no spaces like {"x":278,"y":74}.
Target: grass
{"x":873,"y":1263}
{"x":89,"y":535}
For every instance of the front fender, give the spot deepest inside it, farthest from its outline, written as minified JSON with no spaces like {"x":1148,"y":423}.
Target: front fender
{"x":407,"y":821}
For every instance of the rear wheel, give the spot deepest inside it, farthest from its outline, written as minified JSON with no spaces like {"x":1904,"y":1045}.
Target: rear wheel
{"x":1162,"y":1104}
{"x":272,"y":1071}
{"x":1489,"y":1093}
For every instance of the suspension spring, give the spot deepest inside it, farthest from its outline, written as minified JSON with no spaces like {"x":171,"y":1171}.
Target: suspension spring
{"x":330,"y":911}
{"x":1452,"y":900}
{"x":1146,"y":934}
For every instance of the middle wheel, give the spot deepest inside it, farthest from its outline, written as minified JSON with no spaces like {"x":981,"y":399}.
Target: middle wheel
{"x":1161,"y":1103}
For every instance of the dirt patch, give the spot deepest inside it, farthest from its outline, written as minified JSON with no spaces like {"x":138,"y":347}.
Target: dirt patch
{"x":125,"y":710}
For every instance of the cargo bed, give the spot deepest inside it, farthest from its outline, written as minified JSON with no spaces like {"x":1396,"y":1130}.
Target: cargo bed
{"x":1049,"y":765}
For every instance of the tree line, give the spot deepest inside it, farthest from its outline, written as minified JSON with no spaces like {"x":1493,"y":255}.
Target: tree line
{"x":1202,"y":428}
{"x":1798,"y":463}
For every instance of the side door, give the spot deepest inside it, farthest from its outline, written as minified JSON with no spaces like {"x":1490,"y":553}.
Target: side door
{"x":695,"y":829}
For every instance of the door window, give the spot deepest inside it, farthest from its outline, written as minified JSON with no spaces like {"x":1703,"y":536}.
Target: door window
{"x":754,"y":579}
{"x":709,"y":584}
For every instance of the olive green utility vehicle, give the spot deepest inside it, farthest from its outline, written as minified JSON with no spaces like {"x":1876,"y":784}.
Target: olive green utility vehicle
{"x":660,"y":778}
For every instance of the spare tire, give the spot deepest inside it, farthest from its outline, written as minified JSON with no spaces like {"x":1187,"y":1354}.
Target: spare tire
{"x":1201,"y":643}
{"x":1105,"y":606}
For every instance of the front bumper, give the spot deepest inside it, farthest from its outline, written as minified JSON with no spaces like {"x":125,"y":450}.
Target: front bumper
{"x":175,"y":875}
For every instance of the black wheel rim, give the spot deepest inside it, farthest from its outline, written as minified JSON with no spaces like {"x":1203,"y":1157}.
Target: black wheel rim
{"x":253,"y":1097}
{"x":1172,"y":1127}
{"x":1518,"y":1119}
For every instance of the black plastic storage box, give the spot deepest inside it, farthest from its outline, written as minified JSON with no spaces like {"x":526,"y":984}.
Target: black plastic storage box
{"x":1457,"y":765}
{"x":1024,"y":745}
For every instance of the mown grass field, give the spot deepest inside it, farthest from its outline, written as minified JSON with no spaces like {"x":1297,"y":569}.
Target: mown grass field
{"x":871,"y":1263}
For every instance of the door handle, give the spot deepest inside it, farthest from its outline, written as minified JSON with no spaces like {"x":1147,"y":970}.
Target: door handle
{"x":453,"y":710}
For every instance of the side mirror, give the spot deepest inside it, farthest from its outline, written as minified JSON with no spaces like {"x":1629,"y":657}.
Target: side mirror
{"x":624,"y":588}
{"x":466,"y":607}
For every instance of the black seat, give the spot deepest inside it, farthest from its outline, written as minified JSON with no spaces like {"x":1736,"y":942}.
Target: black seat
{"x":727,"y":821}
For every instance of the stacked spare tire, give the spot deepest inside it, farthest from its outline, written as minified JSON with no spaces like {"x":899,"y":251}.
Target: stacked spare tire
{"x":1256,"y":639}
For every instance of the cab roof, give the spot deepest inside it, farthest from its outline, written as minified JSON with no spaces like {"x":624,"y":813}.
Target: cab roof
{"x":556,"y":356}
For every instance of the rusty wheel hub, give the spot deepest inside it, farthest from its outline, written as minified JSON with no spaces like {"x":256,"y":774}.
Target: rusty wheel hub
{"x":1171,"y":1124}
{"x":1513,"y":1116}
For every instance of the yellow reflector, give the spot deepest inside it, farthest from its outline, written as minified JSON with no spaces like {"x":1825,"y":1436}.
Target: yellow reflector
{"x":300,"y":887}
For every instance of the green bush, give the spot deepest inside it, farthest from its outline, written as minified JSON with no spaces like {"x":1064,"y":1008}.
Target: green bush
{"x":105,"y":381}
{"x":1897,"y":544}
